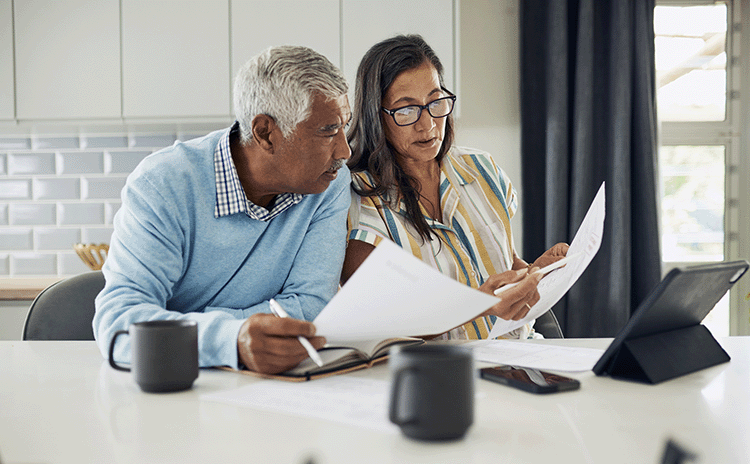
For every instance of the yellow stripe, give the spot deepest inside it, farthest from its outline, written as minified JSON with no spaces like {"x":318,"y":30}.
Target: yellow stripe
{"x":483,"y":324}
{"x":480,"y":251}
{"x":414,"y":244}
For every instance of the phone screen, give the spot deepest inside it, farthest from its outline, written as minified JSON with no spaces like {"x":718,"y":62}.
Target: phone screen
{"x":531,"y":380}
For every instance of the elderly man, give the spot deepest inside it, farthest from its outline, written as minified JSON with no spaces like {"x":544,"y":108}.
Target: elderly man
{"x":213,"y":228}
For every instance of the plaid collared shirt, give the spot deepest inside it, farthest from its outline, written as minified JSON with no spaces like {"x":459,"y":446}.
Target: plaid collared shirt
{"x":231,"y":198}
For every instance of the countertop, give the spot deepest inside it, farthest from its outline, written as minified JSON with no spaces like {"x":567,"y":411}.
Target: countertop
{"x":24,"y":288}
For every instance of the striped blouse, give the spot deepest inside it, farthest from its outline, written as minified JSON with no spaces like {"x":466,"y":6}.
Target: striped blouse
{"x":477,"y":202}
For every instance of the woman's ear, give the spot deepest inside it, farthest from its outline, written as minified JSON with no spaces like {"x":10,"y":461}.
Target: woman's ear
{"x":263,"y":126}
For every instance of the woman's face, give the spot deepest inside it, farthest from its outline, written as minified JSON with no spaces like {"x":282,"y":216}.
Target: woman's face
{"x":421,"y":141}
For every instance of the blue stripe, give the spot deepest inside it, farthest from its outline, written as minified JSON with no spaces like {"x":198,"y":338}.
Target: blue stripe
{"x":458,"y":258}
{"x":476,"y":329}
{"x":392,"y":226}
{"x":465,"y":240}
{"x":492,"y":182}
{"x":444,"y":186}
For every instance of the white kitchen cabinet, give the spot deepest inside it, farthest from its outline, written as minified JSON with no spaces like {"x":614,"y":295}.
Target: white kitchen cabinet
{"x":7,"y":94}
{"x":67,"y":59}
{"x":259,"y":24}
{"x":175,"y":58}
{"x":367,"y":22}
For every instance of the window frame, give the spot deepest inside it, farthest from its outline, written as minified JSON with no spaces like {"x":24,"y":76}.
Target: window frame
{"x":736,"y":142}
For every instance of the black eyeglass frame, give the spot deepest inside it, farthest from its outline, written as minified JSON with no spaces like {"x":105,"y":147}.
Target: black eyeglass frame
{"x":392,"y":113}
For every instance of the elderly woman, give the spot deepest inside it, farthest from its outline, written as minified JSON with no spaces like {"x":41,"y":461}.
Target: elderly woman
{"x":447,"y":205}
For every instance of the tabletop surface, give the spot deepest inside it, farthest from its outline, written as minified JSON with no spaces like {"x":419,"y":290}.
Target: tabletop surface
{"x":60,"y":402}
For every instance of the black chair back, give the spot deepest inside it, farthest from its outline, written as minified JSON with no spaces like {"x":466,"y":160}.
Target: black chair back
{"x":547,"y":325}
{"x":65,"y":309}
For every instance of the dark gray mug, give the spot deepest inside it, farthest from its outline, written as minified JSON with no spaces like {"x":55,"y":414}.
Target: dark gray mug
{"x":163,"y":354}
{"x":432,"y":391}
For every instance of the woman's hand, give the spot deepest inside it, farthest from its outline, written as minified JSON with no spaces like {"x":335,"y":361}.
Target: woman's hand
{"x":556,"y":253}
{"x":517,"y":301}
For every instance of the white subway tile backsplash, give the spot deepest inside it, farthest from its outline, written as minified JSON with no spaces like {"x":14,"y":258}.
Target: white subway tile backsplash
{"x":61,"y":188}
{"x":102,"y":188}
{"x":56,"y":239}
{"x":80,"y":213}
{"x":15,"y":189}
{"x":152,"y":141}
{"x":56,"y":189}
{"x":31,"y":163}
{"x":71,"y":264}
{"x":41,"y":143}
{"x":104,"y":142}
{"x":26,"y":264}
{"x":80,"y":163}
{"x":123,"y":161}
{"x":4,"y":264}
{"x":97,"y":235}
{"x":15,"y":143}
{"x":26,"y":214}
{"x":110,"y":209}
{"x":15,"y":239}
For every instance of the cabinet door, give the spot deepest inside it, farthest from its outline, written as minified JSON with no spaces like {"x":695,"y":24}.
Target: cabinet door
{"x":259,"y":24}
{"x":7,"y":95}
{"x":175,"y":60}
{"x":67,"y":59}
{"x":367,"y":22}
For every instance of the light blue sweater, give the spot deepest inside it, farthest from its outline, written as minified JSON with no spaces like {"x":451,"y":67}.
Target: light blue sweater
{"x":169,"y":257}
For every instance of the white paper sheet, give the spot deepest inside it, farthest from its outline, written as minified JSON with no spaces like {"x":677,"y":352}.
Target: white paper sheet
{"x":394,"y":294}
{"x":353,"y":401}
{"x":535,"y":355}
{"x":555,"y":284}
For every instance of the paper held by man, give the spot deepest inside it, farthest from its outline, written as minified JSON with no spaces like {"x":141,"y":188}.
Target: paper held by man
{"x":394,"y":294}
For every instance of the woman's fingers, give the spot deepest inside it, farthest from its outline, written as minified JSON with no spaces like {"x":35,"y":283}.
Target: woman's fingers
{"x":516,"y":302}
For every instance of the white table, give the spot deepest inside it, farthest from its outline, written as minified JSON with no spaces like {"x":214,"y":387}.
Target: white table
{"x":60,"y":402}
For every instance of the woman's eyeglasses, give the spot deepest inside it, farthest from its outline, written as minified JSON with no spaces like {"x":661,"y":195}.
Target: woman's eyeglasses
{"x":408,"y":115}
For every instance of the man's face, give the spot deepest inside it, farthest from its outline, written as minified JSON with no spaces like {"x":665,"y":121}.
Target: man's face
{"x":309,"y":159}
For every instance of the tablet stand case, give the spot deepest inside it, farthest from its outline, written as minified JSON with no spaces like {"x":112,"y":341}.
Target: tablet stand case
{"x":665,"y":338}
{"x":665,"y":355}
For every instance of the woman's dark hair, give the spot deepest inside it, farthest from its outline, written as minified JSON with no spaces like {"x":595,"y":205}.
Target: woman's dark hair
{"x":370,"y":150}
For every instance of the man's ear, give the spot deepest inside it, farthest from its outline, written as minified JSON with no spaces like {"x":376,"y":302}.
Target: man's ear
{"x":263,"y":126}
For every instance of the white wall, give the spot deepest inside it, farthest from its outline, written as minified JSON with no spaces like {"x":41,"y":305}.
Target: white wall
{"x":490,"y":118}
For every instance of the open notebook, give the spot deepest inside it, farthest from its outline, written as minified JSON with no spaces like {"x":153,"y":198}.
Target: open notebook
{"x":339,"y":358}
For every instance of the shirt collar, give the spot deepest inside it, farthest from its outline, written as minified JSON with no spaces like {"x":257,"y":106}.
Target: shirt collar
{"x":462,"y":173}
{"x":230,"y":196}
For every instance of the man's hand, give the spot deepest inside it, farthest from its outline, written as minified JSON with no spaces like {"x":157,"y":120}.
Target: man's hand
{"x":269,"y":345}
{"x":517,"y":301}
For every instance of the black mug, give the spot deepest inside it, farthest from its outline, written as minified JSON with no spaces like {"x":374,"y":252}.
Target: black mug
{"x":164,"y":354}
{"x":432,"y":391}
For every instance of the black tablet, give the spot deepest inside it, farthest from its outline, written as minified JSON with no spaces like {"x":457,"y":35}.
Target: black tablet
{"x":664,"y":338}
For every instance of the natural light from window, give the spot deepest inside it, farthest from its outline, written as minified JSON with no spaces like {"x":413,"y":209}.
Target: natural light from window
{"x":691,"y":80}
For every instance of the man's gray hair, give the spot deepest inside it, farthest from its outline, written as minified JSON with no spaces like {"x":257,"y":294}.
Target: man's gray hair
{"x":281,"y":82}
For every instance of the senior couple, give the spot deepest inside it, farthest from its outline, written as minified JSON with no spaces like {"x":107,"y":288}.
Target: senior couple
{"x":213,"y":228}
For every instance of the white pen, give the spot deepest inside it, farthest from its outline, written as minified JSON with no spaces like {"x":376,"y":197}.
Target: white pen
{"x":279,"y":311}
{"x":559,"y":263}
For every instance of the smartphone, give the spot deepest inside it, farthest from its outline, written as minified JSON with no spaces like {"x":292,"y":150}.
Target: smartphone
{"x":530,"y":380}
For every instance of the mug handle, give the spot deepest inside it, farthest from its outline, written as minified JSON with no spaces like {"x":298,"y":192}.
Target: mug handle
{"x":112,"y":352}
{"x":394,"y":399}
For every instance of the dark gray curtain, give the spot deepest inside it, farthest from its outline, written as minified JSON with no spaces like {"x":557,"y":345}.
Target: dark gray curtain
{"x":588,"y":115}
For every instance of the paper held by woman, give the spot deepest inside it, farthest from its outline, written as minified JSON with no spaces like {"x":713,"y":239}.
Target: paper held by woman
{"x":394,"y":294}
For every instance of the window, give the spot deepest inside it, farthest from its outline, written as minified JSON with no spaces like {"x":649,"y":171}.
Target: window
{"x":698,"y":106}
